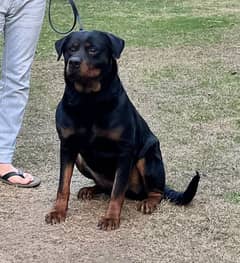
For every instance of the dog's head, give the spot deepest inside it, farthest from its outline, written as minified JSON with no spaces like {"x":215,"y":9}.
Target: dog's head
{"x":88,"y":56}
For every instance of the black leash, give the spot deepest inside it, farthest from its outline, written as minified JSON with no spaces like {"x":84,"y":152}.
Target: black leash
{"x":75,"y":15}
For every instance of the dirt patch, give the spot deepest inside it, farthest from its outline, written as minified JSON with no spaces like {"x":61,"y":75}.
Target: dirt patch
{"x":206,"y":231}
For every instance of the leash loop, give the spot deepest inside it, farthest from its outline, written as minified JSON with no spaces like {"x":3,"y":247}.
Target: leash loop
{"x":76,"y":18}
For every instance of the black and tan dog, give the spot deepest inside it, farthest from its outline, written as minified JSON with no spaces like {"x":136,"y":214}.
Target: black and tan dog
{"x":103,"y":134}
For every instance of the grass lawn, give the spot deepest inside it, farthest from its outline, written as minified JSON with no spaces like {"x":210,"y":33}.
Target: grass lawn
{"x":148,"y":23}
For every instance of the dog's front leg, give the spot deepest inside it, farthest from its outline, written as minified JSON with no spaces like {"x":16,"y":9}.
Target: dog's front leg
{"x":59,"y":211}
{"x":111,"y":219}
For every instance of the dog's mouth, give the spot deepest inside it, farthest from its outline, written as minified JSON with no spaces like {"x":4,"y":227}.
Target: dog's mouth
{"x":85,"y":77}
{"x":81,"y":70}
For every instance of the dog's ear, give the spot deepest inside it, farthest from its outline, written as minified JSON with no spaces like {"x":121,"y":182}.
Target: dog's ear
{"x":117,"y":45}
{"x":59,"y":44}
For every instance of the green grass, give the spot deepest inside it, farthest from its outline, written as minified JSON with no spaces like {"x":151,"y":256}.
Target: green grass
{"x":212,"y":89}
{"x":143,"y":23}
{"x":146,"y":23}
{"x":233,"y":197}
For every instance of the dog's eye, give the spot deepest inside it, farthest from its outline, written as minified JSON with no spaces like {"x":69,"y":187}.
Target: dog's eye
{"x":92,"y":51}
{"x":72,"y":49}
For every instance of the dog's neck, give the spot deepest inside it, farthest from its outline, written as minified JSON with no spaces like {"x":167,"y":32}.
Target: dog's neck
{"x":108,"y":95}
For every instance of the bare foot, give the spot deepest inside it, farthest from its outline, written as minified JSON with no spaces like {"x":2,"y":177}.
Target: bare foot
{"x":7,"y":168}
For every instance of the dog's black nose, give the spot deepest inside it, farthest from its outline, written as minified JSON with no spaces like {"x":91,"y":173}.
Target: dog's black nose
{"x":74,"y":62}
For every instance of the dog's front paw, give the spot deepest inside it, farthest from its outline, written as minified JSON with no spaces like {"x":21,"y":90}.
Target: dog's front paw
{"x":108,"y":223}
{"x":55,"y":216}
{"x":147,"y":206}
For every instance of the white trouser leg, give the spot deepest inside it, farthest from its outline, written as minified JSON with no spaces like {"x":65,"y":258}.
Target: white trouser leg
{"x":20,"y":21}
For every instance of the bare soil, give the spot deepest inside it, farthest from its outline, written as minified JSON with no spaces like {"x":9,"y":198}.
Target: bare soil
{"x":205,"y":231}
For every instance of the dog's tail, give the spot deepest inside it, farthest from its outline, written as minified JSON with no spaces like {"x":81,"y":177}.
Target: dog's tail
{"x":183,"y":198}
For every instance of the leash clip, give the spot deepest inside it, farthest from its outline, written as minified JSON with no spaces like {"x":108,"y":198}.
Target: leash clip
{"x":76,"y":16}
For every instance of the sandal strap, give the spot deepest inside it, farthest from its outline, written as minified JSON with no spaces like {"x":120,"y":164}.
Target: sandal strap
{"x":20,"y":173}
{"x":11,"y":174}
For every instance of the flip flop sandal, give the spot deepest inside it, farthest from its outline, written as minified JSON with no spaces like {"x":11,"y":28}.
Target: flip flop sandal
{"x":36,"y":181}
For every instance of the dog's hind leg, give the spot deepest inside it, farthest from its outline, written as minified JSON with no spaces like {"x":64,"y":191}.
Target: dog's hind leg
{"x":153,"y":175}
{"x":87,"y":193}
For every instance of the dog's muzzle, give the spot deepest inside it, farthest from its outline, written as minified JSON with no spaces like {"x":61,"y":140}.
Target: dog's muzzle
{"x":74,"y":63}
{"x":78,"y":68}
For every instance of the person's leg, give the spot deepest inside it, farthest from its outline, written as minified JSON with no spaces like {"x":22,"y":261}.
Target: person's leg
{"x":21,"y":24}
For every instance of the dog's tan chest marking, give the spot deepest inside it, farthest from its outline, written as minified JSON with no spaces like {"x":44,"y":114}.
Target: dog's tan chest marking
{"x":112,"y":134}
{"x":67,"y":132}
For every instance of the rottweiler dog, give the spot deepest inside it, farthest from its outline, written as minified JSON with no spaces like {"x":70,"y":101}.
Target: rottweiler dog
{"x":102,"y":133}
